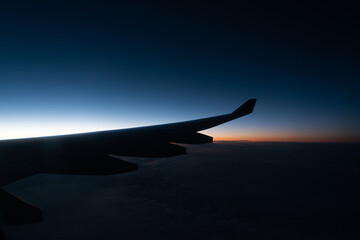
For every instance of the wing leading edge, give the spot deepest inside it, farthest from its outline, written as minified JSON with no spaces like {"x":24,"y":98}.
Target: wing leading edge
{"x":92,"y":154}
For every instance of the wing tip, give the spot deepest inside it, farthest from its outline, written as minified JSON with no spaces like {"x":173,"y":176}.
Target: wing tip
{"x":246,"y":108}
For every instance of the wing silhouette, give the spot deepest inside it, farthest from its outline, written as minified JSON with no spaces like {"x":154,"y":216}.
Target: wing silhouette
{"x":92,"y":154}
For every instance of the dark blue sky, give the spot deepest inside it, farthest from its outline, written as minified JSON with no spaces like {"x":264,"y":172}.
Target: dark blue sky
{"x":72,"y":67}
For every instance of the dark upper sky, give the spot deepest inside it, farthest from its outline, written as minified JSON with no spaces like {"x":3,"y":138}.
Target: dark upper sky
{"x":89,"y":65}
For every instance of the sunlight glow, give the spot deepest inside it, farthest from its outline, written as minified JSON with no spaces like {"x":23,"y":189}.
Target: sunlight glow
{"x":16,"y":130}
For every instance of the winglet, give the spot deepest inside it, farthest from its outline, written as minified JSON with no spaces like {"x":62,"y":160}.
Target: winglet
{"x":246,"y":108}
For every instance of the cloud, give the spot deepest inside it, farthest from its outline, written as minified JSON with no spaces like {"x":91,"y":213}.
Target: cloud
{"x":217,"y":191}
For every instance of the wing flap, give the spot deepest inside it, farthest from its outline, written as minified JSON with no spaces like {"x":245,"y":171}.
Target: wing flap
{"x":148,"y":149}
{"x":14,"y":210}
{"x":193,"y":138}
{"x":91,"y":165}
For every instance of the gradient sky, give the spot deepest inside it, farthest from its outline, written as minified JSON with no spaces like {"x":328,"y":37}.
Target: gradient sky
{"x":70,"y":67}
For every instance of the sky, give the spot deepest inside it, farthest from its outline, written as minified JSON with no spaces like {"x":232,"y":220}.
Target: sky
{"x":68,"y":67}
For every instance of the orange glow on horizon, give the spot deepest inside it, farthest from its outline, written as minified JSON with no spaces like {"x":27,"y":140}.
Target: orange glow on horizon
{"x":279,"y":138}
{"x":280,"y":135}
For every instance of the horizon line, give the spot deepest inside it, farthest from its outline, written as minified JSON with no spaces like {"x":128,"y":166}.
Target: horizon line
{"x":279,"y":141}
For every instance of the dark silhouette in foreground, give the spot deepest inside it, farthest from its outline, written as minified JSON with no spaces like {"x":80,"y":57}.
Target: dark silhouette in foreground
{"x":93,"y":154}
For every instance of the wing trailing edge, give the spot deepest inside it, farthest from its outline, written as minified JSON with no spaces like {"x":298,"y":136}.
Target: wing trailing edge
{"x":14,"y":210}
{"x":193,"y":138}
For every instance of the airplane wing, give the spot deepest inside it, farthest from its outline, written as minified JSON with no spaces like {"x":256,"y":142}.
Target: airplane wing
{"x":92,"y":154}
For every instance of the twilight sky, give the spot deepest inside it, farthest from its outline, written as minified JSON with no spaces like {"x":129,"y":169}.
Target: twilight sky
{"x":70,"y":67}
